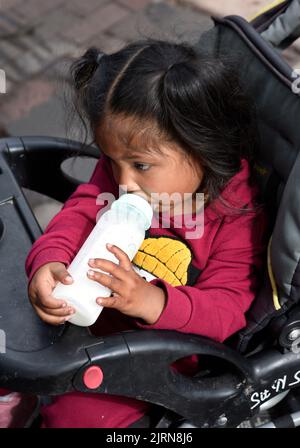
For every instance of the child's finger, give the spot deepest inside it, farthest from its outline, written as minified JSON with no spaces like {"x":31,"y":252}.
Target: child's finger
{"x":124,"y":261}
{"x":108,"y":267}
{"x":110,"y":282}
{"x":109,"y":302}
{"x":58,"y":312}
{"x":61,"y":274}
{"x":44,"y":297}
{"x":46,"y":300}
{"x":52,"y":320}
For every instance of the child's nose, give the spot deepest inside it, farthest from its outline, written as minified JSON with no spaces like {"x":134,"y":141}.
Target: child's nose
{"x":127,"y":180}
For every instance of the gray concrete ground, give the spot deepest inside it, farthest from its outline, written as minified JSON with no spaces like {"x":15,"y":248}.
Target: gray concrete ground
{"x":40,"y":38}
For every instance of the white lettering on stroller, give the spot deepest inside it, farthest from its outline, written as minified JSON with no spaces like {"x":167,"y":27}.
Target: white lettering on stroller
{"x":279,"y":385}
{"x":259,"y":397}
{"x":297,"y":378}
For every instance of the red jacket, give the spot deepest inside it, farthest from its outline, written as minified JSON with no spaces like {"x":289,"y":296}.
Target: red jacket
{"x":210,"y":281}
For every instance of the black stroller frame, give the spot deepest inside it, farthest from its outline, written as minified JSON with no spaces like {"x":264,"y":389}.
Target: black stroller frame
{"x":260,"y":369}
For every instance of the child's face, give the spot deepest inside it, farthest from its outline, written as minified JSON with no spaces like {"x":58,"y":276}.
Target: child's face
{"x":147,"y":172}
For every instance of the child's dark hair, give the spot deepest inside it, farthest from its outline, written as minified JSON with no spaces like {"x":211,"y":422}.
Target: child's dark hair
{"x":191,"y":98}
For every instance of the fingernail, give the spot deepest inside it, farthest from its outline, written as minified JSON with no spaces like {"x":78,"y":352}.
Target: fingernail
{"x":110,"y":246}
{"x":92,"y":260}
{"x":64,"y":305}
{"x":99,"y":301}
{"x":91,"y":273}
{"x":67,"y":318}
{"x":69,"y":278}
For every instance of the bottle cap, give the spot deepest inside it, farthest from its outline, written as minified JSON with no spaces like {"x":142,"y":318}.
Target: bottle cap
{"x":137,"y":202}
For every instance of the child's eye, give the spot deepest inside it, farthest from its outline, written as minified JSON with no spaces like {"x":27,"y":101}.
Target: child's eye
{"x":142,"y":166}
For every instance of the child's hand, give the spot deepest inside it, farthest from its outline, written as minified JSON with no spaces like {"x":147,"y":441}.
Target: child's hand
{"x":51,"y":310}
{"x":132,"y":295}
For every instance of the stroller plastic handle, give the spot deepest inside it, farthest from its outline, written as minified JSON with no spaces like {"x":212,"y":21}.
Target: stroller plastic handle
{"x":230,"y":389}
{"x":143,"y":371}
{"x":36,"y":163}
{"x":50,"y":369}
{"x":134,"y":364}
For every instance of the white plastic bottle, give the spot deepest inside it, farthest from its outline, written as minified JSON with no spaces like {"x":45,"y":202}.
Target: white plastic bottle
{"x":124,"y":225}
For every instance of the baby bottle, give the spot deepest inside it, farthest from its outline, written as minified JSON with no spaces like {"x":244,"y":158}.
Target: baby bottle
{"x":124,"y":225}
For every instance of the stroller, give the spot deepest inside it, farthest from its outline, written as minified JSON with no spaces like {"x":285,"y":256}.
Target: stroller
{"x":254,"y":373}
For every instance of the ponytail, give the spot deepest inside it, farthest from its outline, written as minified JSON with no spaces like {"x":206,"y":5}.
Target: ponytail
{"x":83,"y":69}
{"x":82,"y":74}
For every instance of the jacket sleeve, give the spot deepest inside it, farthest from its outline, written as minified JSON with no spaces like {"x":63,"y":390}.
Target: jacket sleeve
{"x":70,"y":227}
{"x":215,"y":306}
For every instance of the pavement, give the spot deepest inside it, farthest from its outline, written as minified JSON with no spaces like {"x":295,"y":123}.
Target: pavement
{"x":39,"y":39}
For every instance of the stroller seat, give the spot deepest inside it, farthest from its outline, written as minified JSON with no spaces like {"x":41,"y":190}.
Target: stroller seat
{"x":254,"y":370}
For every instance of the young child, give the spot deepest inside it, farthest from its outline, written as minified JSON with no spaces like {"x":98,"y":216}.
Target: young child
{"x":168,"y":119}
